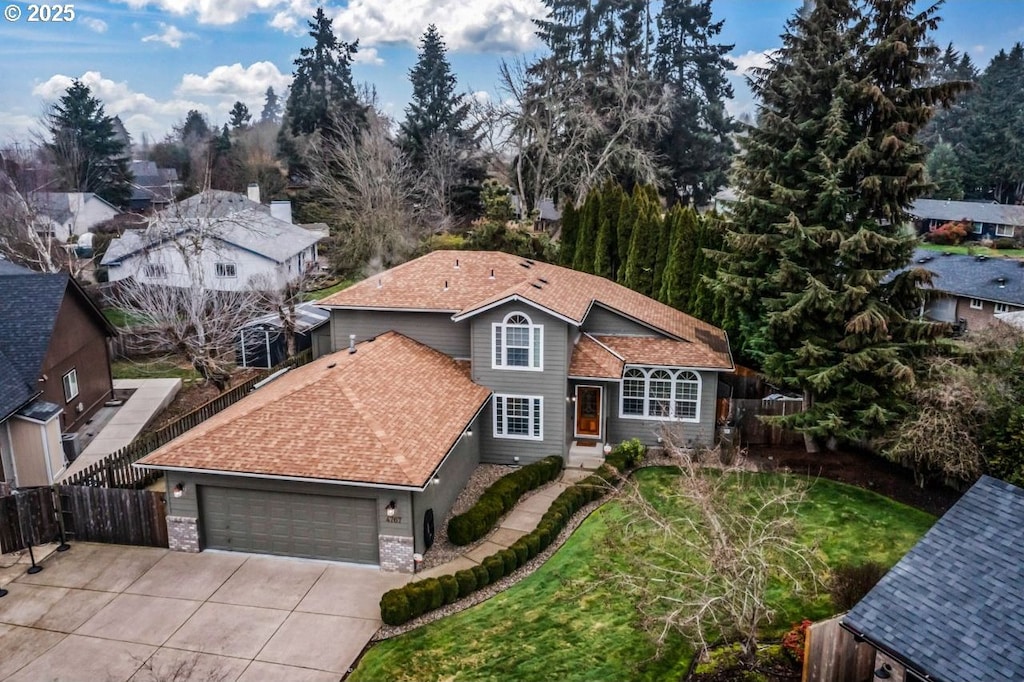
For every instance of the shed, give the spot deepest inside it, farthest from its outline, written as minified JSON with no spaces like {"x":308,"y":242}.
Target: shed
{"x":262,"y":342}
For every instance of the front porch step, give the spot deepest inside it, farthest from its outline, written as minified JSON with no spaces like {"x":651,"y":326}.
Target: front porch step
{"x":587,"y":458}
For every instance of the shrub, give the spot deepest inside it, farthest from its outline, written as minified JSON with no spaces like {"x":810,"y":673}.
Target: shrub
{"x":850,"y":582}
{"x":1005,"y":243}
{"x":499,"y":498}
{"x":951,"y":233}
{"x":521,"y":550}
{"x":466,"y":579}
{"x":394,"y":607}
{"x":495,"y":568}
{"x":532,"y":544}
{"x":627,"y":455}
{"x":449,"y":588}
{"x":510,"y":559}
{"x":434,"y":593}
{"x":483,"y":576}
{"x":793,"y":643}
{"x":419,"y":599}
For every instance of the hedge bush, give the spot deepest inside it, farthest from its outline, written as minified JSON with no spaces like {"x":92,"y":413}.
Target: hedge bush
{"x":1005,"y":243}
{"x":402,"y":604}
{"x":627,"y":455}
{"x":499,"y":498}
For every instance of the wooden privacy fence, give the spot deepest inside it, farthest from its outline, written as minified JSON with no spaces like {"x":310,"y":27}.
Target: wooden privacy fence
{"x":832,"y":655}
{"x":27,"y":518}
{"x":755,"y":432}
{"x":115,"y":515}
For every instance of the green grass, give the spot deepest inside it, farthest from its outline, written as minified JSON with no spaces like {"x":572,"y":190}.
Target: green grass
{"x":324,"y":293}
{"x":568,"y":622}
{"x":153,"y":369}
{"x":972,"y":249}
{"x":122,"y":319}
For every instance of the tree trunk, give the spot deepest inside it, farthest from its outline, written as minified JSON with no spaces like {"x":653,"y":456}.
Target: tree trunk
{"x":810,"y":444}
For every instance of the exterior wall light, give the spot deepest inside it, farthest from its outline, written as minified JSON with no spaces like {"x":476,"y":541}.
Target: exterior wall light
{"x":884,"y":672}
{"x":390,"y":509}
{"x":179,"y":490}
{"x":437,"y":480}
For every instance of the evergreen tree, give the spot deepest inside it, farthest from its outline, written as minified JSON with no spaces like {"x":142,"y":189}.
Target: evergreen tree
{"x":825,"y":183}
{"x":703,"y":304}
{"x":948,"y":123}
{"x":239,"y":116}
{"x":624,"y":233}
{"x":644,"y":242}
{"x":664,"y":244}
{"x":586,"y":240}
{"x":85,"y":146}
{"x":194,"y":131}
{"x":678,"y":279}
{"x":271,"y":107}
{"x":944,"y":172}
{"x":696,"y":144}
{"x":322,"y":94}
{"x":569,"y":234}
{"x":606,"y":257}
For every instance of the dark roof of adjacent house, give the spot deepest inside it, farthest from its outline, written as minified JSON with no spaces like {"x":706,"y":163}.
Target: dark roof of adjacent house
{"x":29,"y":304}
{"x":953,"y":607}
{"x":546,"y":209}
{"x":466,"y":283}
{"x":987,"y":278}
{"x":9,"y":268}
{"x":387,"y":414}
{"x":308,"y":316}
{"x":973,"y":211}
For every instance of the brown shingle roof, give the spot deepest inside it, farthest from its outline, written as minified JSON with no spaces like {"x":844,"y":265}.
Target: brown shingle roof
{"x":387,"y":414}
{"x":647,"y":350}
{"x":591,"y":359}
{"x":433,"y":282}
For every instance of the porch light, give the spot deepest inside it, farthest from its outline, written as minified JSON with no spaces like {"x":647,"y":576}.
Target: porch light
{"x":469,"y":433}
{"x":884,"y":672}
{"x":390,"y":509}
{"x":437,"y":480}
{"x":607,"y":449}
{"x":179,"y":490}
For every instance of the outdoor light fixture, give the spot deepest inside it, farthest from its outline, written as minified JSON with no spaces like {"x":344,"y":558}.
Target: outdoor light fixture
{"x":607,"y":449}
{"x":390,"y":509}
{"x":179,"y":489}
{"x":437,"y":480}
{"x":884,"y":672}
{"x":469,"y":432}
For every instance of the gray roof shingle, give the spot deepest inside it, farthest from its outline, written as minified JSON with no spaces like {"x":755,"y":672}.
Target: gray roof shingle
{"x":976,"y":212}
{"x":953,"y":607}
{"x":973,"y":277}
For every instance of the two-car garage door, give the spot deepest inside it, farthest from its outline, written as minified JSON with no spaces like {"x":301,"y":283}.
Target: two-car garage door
{"x":292,"y":524}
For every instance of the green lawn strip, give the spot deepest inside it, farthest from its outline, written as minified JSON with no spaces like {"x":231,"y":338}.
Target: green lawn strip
{"x":567,"y":621}
{"x":971,"y":249}
{"x":324,"y":293}
{"x":152,"y":369}
{"x":123,"y":319}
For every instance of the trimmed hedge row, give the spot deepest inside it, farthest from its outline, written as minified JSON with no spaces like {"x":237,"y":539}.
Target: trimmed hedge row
{"x":499,"y":498}
{"x":402,"y":604}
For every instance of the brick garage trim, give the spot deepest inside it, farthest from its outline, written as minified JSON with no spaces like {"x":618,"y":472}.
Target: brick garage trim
{"x":396,"y":553}
{"x":183,"y":534}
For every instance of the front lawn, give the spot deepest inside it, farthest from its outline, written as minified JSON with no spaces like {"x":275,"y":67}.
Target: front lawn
{"x":152,"y":369}
{"x":971,"y":249}
{"x":567,"y":621}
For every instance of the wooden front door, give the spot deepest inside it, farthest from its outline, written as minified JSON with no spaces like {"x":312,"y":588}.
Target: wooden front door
{"x":588,"y":411}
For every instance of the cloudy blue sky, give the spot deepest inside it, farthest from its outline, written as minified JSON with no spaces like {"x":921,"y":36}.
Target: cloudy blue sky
{"x":150,"y":61}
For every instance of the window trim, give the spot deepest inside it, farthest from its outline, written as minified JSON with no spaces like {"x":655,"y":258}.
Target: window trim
{"x":499,"y":349}
{"x":977,"y":304}
{"x":535,"y":416}
{"x":71,"y":375}
{"x":1001,"y":308}
{"x":979,"y":228}
{"x":675,"y":387}
{"x":225,"y":265}
{"x":1000,"y":231}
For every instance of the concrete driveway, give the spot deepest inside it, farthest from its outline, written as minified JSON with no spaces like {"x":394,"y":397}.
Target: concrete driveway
{"x":112,"y":612}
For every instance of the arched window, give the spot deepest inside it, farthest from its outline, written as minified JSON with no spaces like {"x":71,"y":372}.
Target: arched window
{"x":650,"y":393}
{"x":518,"y":343}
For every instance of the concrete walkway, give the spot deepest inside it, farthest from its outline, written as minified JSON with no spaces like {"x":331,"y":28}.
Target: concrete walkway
{"x":151,"y":396}
{"x":118,"y":613}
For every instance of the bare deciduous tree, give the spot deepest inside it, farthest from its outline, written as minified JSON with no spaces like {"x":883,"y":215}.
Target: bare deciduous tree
{"x":20,"y":239}
{"x":713,"y":546}
{"x":369,"y":183}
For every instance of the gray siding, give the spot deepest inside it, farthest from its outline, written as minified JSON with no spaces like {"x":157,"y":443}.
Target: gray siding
{"x":431,"y":329}
{"x":454,"y":474}
{"x":188,"y":504}
{"x":551,"y":384}
{"x":603,"y":321}
{"x":321,"y":341}
{"x":702,"y":433}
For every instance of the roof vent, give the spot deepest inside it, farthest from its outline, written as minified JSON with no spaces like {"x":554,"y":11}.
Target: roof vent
{"x":380,"y":284}
{"x":445,"y":286}
{"x":535,"y":285}
{"x":351,"y":344}
{"x":542,"y":280}
{"x":981,"y":258}
{"x":1001,"y":281}
{"x":947,"y":253}
{"x":456,"y":263}
{"x":492,"y":275}
{"x":924,"y":259}
{"x":526,"y":264}
{"x":531,"y":262}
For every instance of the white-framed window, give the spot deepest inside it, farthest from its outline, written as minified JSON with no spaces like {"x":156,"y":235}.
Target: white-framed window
{"x":979,"y":228}
{"x":519,"y":416}
{"x":70,"y":386}
{"x":656,"y":393}
{"x":226,"y":270}
{"x":1002,"y":308}
{"x":977,"y":304}
{"x":1004,"y":230}
{"x":517,"y":343}
{"x":155,"y":270}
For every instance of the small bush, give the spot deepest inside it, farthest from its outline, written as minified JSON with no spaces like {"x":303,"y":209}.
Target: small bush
{"x":495,"y":568}
{"x":521,"y":550}
{"x":532,"y":544}
{"x":467,"y":582}
{"x":394,"y":607}
{"x":1005,"y":243}
{"x":419,"y":599}
{"x":449,"y":588}
{"x":793,"y":643}
{"x":951,"y":233}
{"x":483,"y":576}
{"x":627,"y":455}
{"x":511,"y":561}
{"x":850,"y":582}
{"x":435,"y":593}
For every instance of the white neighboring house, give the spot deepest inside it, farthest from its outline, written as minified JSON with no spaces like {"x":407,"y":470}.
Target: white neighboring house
{"x":219,"y":240}
{"x":62,"y":214}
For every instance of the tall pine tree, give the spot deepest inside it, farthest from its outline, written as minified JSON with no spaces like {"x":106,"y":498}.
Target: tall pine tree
{"x":644,"y":241}
{"x":825,"y":182}
{"x":586,"y":240}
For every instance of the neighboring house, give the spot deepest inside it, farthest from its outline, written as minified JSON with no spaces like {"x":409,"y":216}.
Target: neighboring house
{"x":54,"y":370}
{"x":972,"y":289}
{"x":986,"y":221}
{"x":152,"y":188}
{"x":952,"y":610}
{"x":449,"y":360}
{"x":263,"y":342}
{"x":224,"y":240}
{"x":67,"y":214}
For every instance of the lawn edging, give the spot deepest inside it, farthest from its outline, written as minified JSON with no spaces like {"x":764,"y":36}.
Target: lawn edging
{"x":410,"y":606}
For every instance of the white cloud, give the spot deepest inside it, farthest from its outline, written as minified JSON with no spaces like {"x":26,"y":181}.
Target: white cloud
{"x":368,"y":55}
{"x":94,"y":24}
{"x":751,"y":60}
{"x":236,"y":82}
{"x":170,"y":36}
{"x":208,"y":11}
